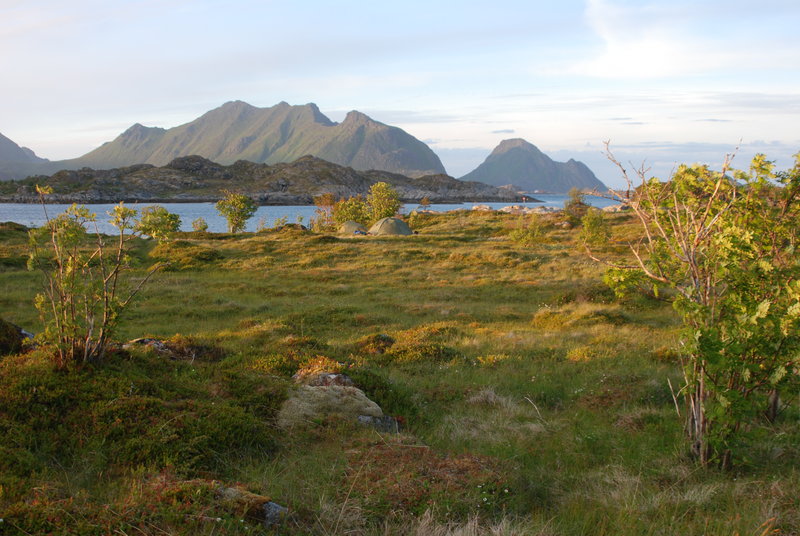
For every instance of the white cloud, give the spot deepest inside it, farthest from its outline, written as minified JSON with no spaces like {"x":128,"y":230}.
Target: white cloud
{"x":643,"y":41}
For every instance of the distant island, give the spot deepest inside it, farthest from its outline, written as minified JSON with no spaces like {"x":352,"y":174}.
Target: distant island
{"x":197,"y":179}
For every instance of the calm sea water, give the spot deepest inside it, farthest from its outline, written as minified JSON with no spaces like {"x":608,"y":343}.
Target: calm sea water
{"x":32,"y":215}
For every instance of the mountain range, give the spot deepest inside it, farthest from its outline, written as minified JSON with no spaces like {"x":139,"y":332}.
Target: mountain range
{"x":283,"y":133}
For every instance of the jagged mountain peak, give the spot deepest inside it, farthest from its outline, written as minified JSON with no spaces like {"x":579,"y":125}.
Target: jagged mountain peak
{"x":354,"y":117}
{"x":237,"y":130}
{"x":138,"y":130}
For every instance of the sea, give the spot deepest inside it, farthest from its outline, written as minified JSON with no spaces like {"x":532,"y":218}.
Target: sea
{"x":33,"y":215}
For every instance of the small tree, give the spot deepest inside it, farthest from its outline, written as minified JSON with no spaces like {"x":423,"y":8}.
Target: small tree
{"x":594,"y":227}
{"x":200,"y":225}
{"x":237,"y":209}
{"x":84,"y":289}
{"x":425,"y":203}
{"x":529,"y":230}
{"x":323,"y":219}
{"x":383,"y":201}
{"x":575,"y":207}
{"x":351,"y":209}
{"x":727,"y":247}
{"x":157,"y":222}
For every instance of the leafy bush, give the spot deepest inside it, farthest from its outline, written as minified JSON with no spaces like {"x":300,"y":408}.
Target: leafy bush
{"x":726,"y":247}
{"x":383,"y":201}
{"x":575,"y":207}
{"x":158,"y":223}
{"x":84,"y":291}
{"x":529,"y":230}
{"x":200,"y":225}
{"x":351,"y":209}
{"x":594,"y":227}
{"x":237,"y":209}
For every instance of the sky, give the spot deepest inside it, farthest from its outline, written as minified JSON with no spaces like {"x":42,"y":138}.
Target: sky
{"x":666,"y":82}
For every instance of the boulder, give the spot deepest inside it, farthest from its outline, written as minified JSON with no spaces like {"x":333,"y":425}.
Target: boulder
{"x":385,"y":423}
{"x":158,"y":346}
{"x":308,"y":405}
{"x":11,"y":337}
{"x":324,"y":379}
{"x":177,"y":347}
{"x":252,"y":506}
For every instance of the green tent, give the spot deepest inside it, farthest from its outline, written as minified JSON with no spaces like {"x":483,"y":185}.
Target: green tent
{"x":352,"y":228}
{"x":390,"y":226}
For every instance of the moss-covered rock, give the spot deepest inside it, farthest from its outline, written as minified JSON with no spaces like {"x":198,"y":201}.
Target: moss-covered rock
{"x":11,"y":338}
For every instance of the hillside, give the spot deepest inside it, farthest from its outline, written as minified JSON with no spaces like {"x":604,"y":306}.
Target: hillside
{"x":194,"y":178}
{"x":521,"y":163}
{"x":281,"y":133}
{"x":16,"y":161}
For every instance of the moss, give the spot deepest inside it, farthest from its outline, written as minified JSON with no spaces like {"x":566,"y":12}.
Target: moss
{"x":182,"y":255}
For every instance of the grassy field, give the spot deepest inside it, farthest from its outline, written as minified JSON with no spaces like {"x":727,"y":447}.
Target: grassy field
{"x":533,"y":400}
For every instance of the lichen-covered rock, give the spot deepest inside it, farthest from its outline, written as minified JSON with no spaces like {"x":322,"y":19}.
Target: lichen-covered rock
{"x":325,"y":379}
{"x":177,"y":347}
{"x":311,"y":405}
{"x":253,"y":506}
{"x":386,"y":423}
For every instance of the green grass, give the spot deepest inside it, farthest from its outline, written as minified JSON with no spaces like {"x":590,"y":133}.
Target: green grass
{"x":513,"y":367}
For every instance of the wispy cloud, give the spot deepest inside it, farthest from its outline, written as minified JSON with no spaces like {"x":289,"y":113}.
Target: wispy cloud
{"x":504,"y":131}
{"x":654,"y":39}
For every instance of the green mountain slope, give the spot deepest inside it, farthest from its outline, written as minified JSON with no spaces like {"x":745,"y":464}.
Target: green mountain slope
{"x":522,"y":164}
{"x":281,"y":133}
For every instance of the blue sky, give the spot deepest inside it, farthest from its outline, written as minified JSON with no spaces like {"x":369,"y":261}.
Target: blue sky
{"x":665,"y":81}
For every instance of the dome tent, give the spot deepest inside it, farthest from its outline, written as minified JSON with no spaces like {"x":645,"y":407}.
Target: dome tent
{"x":351,"y":228}
{"x":390,"y":226}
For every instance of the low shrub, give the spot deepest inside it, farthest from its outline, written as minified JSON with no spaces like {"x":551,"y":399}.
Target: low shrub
{"x":182,"y":255}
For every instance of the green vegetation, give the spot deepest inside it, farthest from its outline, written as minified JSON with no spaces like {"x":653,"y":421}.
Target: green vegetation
{"x":727,"y":249}
{"x":533,"y":400}
{"x":594,"y":228}
{"x":84,"y":289}
{"x":352,"y":209}
{"x":575,"y":208}
{"x":157,"y":222}
{"x":200,"y":225}
{"x":237,"y":209}
{"x":528,"y":231}
{"x":383,"y":201}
